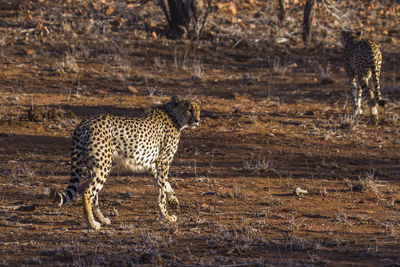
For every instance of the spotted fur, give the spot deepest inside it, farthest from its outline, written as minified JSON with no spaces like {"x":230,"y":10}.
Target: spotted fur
{"x":363,"y":60}
{"x":141,"y":143}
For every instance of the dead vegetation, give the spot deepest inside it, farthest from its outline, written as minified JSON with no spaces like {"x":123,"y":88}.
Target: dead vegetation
{"x":276,"y":117}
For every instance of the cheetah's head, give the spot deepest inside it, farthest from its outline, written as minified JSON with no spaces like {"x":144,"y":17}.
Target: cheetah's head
{"x":349,"y":37}
{"x":186,"y":112}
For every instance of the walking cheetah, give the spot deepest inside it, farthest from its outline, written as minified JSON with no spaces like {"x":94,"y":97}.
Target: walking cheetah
{"x":141,"y":143}
{"x":363,"y":59}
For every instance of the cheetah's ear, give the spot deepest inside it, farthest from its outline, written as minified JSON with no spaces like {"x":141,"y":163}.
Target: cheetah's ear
{"x":175,"y":99}
{"x":358,"y":34}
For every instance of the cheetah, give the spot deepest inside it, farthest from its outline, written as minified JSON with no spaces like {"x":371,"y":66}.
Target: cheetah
{"x":363,"y":59}
{"x":142,"y":143}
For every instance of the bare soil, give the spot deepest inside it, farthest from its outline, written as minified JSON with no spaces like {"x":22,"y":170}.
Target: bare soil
{"x":275,"y":117}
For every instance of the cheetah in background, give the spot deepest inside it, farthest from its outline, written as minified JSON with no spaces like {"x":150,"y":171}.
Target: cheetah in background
{"x":141,"y":143}
{"x":363,"y":60}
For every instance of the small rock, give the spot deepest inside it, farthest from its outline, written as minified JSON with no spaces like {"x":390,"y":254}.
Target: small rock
{"x":391,"y":40}
{"x":110,"y":10}
{"x":205,"y":206}
{"x":227,"y":8}
{"x":298,"y":191}
{"x":30,"y":52}
{"x":27,"y":207}
{"x":227,"y":195}
{"x":132,"y":89}
{"x":210,"y":193}
{"x":126,"y":195}
{"x":118,"y":77}
{"x":357,"y":188}
{"x":101,"y":92}
{"x":46,"y":191}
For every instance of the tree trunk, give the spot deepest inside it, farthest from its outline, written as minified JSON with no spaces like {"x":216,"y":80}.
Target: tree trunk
{"x":307,"y":21}
{"x":183,"y":18}
{"x":177,"y":15}
{"x":282,"y":9}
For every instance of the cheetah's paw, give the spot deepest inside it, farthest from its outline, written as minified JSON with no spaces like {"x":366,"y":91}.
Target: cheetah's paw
{"x":172,"y":218}
{"x":106,"y":221}
{"x":95,"y":225}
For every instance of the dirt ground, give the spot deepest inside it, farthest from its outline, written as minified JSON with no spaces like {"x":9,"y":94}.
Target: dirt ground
{"x":275,"y":117}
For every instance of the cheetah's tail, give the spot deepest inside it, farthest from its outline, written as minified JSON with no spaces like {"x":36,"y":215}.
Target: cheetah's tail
{"x":60,"y":199}
{"x":66,"y":196}
{"x":76,"y":173}
{"x":56,"y":196}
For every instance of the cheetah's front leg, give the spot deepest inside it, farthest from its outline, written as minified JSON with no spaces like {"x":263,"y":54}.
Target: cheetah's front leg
{"x":97,"y":213}
{"x":161,"y":178}
{"x":357,"y":94}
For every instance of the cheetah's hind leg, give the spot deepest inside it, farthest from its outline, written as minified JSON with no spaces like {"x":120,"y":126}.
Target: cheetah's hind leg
{"x":171,"y":197}
{"x":373,"y":104}
{"x":88,"y":212}
{"x":162,"y":206}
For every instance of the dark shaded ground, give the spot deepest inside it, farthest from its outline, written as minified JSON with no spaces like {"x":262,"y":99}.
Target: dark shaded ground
{"x":267,"y":128}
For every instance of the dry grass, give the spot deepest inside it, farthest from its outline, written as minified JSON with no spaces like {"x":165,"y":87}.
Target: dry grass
{"x":237,"y":239}
{"x":348,"y":122}
{"x":379,"y":191}
{"x":197,"y":69}
{"x":68,"y":64}
{"x":325,"y":75}
{"x":19,"y":171}
{"x":150,"y":89}
{"x":342,"y":218}
{"x":237,"y":202}
{"x":190,"y":64}
{"x":260,"y":162}
{"x":279,"y":66}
